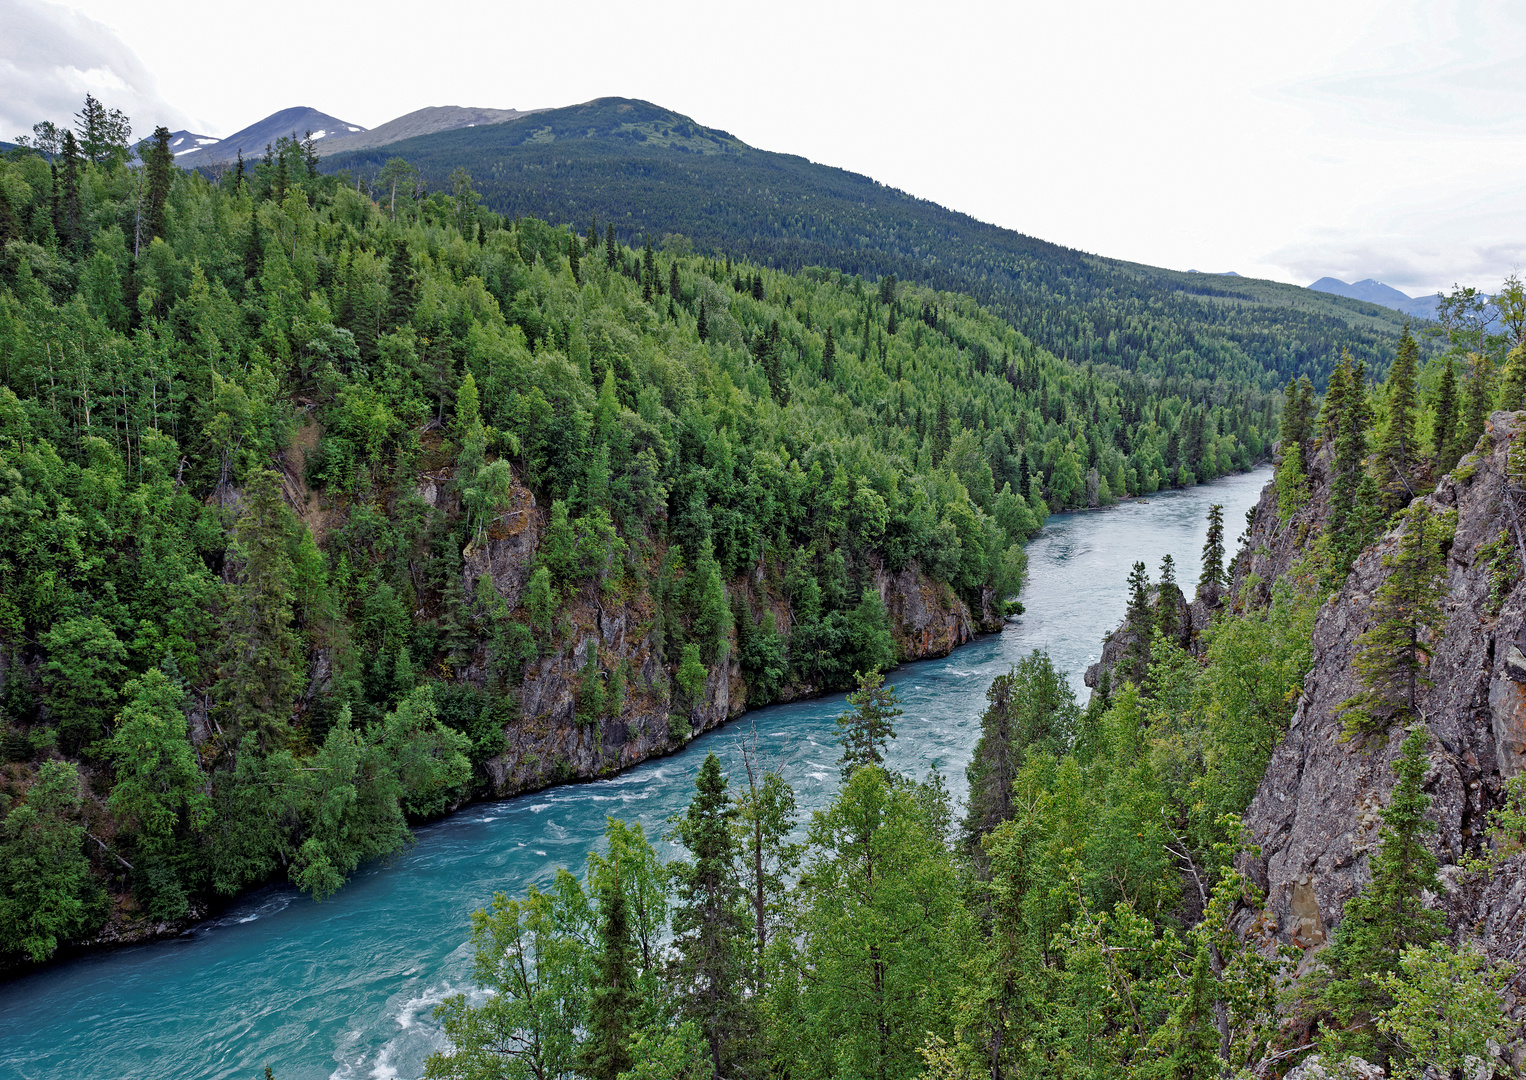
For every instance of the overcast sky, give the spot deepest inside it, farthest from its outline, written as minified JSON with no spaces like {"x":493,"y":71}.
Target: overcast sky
{"x":1353,"y":138}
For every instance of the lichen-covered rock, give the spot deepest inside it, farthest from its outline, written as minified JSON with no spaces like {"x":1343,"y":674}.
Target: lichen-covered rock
{"x":1314,"y":1067}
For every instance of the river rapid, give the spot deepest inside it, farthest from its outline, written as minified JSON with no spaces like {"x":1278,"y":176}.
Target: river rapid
{"x":345,"y":988}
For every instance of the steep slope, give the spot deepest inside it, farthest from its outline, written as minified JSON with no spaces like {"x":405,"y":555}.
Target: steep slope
{"x":425,"y":121}
{"x":653,"y":171}
{"x":1315,"y":814}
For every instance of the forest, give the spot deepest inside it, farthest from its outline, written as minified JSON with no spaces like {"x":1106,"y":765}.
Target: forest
{"x":1088,"y":913}
{"x":654,"y":171}
{"x":268,"y":442}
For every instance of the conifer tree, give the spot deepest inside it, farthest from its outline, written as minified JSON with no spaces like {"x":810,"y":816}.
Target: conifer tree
{"x":648,"y":272}
{"x":1210,"y":582}
{"x":1345,"y":421}
{"x":1029,"y":709}
{"x":1480,"y":398}
{"x":1445,"y":439}
{"x":829,"y":357}
{"x":260,"y":646}
{"x":254,"y":249}
{"x":1408,"y":606}
{"x":611,"y":256}
{"x":1396,"y":452}
{"x":1389,"y":915}
{"x":572,"y":258}
{"x":612,"y":1000}
{"x":866,"y":726}
{"x":674,"y":292}
{"x":708,"y":924}
{"x":159,"y":165}
{"x":67,"y":221}
{"x":1139,"y":622}
{"x":238,"y":170}
{"x":1166,"y":615}
{"x":703,"y":328}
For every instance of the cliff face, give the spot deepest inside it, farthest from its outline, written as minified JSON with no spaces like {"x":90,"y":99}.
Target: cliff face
{"x":545,"y":743}
{"x":1315,"y":815}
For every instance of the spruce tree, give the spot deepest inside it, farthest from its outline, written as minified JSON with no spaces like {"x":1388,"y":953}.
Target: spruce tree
{"x":1396,"y":452}
{"x":1210,"y":582}
{"x":254,"y":249}
{"x":1345,"y":421}
{"x":1407,"y":606}
{"x":709,"y":923}
{"x":69,"y":224}
{"x":611,"y":256}
{"x":612,"y":999}
{"x":572,"y":258}
{"x":159,"y":165}
{"x":674,"y":290}
{"x":1139,"y":623}
{"x":1166,"y":614}
{"x":1444,"y":437}
{"x":866,"y":726}
{"x":1389,"y":915}
{"x":703,"y":328}
{"x":1480,"y":398}
{"x":829,"y":357}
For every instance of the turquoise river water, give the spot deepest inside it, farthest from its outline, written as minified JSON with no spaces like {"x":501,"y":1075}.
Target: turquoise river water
{"x":346,"y":988}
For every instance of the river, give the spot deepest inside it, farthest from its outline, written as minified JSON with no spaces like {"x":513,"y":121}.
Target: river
{"x":345,"y":988}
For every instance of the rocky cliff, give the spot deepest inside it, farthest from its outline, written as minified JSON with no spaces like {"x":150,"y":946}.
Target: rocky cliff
{"x":1315,"y":816}
{"x":546,"y":744}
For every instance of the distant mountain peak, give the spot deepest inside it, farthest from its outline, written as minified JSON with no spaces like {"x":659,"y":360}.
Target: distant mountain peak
{"x":294,"y":122}
{"x":1375,"y":292}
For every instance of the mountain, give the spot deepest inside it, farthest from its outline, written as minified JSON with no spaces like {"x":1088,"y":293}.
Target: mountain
{"x":190,"y":148}
{"x":297,"y":121}
{"x":420,"y":122}
{"x":1375,"y":292}
{"x":653,"y":171}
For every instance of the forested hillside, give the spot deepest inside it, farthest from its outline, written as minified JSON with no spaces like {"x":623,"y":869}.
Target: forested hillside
{"x":322,"y":515}
{"x":1285,"y":837}
{"x":653,"y":171}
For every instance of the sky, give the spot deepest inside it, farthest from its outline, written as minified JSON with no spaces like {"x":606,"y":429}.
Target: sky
{"x":1354,"y":139}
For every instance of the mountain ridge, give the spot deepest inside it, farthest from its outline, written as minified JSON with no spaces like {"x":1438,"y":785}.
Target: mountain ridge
{"x":1376,"y":292}
{"x":652,"y":172}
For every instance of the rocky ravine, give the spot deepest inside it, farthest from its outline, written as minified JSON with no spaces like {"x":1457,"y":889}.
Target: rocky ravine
{"x":1315,"y":814}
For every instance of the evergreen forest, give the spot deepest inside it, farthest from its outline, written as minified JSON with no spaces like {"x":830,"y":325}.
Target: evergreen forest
{"x":654,"y":171}
{"x":1087,"y":913}
{"x":308,"y":496}
{"x":322,"y":496}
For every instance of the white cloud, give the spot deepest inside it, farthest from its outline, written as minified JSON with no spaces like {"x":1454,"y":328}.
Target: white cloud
{"x":51,"y":56}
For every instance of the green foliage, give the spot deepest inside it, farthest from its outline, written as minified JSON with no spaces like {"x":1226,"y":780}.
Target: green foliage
{"x":83,"y":678}
{"x":1032,"y":710}
{"x":866,"y":725}
{"x":710,"y":967}
{"x":1406,"y":610}
{"x":1446,"y":1010}
{"x":47,"y":894}
{"x":532,"y":954}
{"x":1389,"y":915}
{"x":612,"y":998}
{"x":882,"y":930}
{"x":662,"y":171}
{"x":265,"y":435}
{"x":1212,"y":579}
